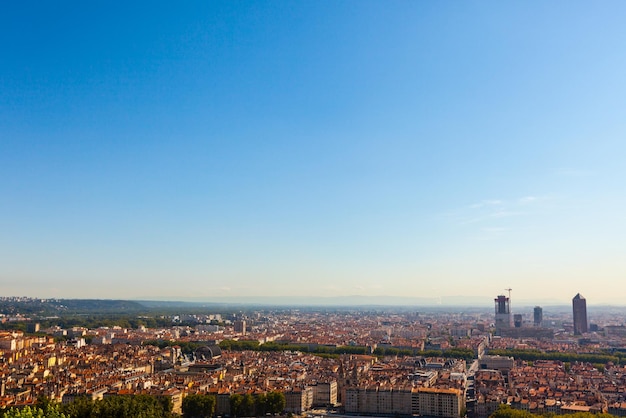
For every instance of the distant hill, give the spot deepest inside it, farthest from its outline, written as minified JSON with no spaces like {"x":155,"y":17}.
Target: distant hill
{"x":100,"y":305}
{"x":52,"y":307}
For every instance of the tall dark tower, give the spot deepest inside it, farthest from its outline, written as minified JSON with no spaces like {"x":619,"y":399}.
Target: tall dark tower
{"x":503,"y":313}
{"x":579,"y":305}
{"x":537,"y":316}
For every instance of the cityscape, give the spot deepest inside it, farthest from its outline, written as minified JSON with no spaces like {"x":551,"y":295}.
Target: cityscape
{"x":312,"y":209}
{"x":372,"y":361}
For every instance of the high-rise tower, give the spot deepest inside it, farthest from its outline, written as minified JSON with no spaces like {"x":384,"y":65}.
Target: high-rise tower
{"x":579,"y":305}
{"x":503,"y":313}
{"x":537,"y":316}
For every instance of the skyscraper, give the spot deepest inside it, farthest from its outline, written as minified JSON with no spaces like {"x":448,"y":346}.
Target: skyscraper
{"x":503,"y":313}
{"x":538,"y":316}
{"x":579,"y":305}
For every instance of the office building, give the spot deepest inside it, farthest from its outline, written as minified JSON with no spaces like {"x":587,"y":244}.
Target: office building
{"x":240,"y":327}
{"x":579,"y":305}
{"x":538,"y":316}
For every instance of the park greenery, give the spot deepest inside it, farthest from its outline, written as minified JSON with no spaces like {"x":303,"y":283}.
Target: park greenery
{"x":149,"y":406}
{"x":241,"y":405}
{"x":533,"y":355}
{"x":506,"y":411}
{"x":186,"y":347}
{"x":33,"y":412}
{"x":203,"y":406}
{"x":198,"y":406}
{"x":270,"y":403}
{"x":139,"y":406}
{"x":320,"y":350}
{"x":253,"y":345}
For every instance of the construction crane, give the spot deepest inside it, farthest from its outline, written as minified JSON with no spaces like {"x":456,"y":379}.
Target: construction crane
{"x":509,"y":290}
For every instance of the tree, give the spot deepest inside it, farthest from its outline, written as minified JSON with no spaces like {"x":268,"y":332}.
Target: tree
{"x":241,"y":405}
{"x":505,"y":411}
{"x":44,"y":402}
{"x":270,"y":403}
{"x":198,"y":406}
{"x":34,"y":412}
{"x":261,"y":404}
{"x":275,"y":402}
{"x":81,"y":407}
{"x":247,"y":406}
{"x":139,"y":406}
{"x":235,"y":404}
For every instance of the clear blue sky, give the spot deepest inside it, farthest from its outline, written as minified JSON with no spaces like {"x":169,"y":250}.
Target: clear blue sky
{"x":224,"y":149}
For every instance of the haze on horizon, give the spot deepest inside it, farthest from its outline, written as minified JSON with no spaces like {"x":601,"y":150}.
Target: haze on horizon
{"x":258,"y":149}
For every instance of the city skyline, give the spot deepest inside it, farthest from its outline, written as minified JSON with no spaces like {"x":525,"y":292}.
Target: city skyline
{"x":257,"y":150}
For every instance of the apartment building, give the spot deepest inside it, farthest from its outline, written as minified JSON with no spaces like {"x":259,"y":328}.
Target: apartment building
{"x":325,"y":393}
{"x":298,"y":400}
{"x":379,"y":400}
{"x":435,"y":402}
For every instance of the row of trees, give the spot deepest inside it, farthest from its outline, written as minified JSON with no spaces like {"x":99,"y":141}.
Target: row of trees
{"x":323,"y":349}
{"x":140,"y":406}
{"x":464,"y":353}
{"x":265,"y":403}
{"x":33,"y":412}
{"x":203,"y":406}
{"x":532,"y":355}
{"x":186,"y":347}
{"x":198,"y":406}
{"x":146,"y":406}
{"x":506,"y":411}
